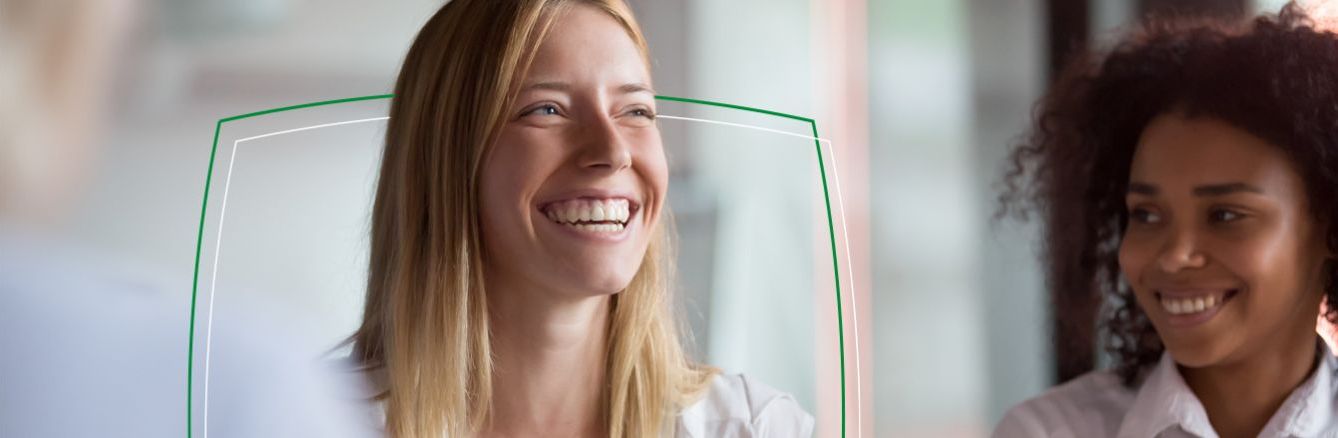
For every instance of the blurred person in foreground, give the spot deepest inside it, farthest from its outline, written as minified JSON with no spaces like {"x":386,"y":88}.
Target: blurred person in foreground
{"x":89,"y":349}
{"x":1190,"y":178}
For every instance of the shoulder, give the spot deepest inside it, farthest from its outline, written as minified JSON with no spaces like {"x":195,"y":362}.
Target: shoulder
{"x":736,"y":406}
{"x":1092,"y":405}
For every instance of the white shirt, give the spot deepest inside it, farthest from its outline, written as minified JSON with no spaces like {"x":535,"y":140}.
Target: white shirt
{"x":735,"y":406}
{"x":739,"y":407}
{"x":1098,"y":405}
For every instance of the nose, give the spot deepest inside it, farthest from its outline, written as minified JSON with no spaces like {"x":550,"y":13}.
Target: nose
{"x":1181,"y":251}
{"x":603,"y":147}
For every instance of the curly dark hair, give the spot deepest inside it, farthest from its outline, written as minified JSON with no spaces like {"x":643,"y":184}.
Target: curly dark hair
{"x":1275,"y":76}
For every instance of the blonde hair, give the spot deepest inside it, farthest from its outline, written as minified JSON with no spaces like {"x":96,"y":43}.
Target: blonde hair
{"x":426,"y":322}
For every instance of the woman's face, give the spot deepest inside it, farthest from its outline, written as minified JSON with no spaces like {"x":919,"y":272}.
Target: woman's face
{"x":573,"y":187}
{"x":1220,"y":249}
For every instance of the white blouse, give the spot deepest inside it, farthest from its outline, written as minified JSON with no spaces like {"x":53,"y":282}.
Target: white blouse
{"x":739,"y":407}
{"x":1097,"y":405}
{"x":735,"y":406}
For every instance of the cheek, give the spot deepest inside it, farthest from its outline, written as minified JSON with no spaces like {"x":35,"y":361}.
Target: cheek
{"x":495,"y":197}
{"x":509,"y":178}
{"x":497,"y":187}
{"x":1271,"y":260}
{"x":653,"y":167}
{"x":657,"y":175}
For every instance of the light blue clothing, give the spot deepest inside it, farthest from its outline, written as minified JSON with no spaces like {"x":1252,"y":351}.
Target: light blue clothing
{"x":88,"y":351}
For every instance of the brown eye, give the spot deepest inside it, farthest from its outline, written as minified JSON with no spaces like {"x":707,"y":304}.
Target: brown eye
{"x":1222,"y":215}
{"x":1143,"y":216}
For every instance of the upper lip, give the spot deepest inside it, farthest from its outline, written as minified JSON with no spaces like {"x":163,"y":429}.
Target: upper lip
{"x":592,"y":193}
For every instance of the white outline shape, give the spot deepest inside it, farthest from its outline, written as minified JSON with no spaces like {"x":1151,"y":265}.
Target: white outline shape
{"x":854,"y":308}
{"x":845,"y":235}
{"x":218,"y":248}
{"x":740,"y":125}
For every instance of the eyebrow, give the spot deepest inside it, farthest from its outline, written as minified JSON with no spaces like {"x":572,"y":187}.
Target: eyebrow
{"x":630,"y":88}
{"x":635,"y":88}
{"x":1141,"y":188}
{"x":555,"y":86}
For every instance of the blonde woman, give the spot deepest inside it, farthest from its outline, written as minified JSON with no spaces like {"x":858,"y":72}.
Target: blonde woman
{"x":519,"y":276}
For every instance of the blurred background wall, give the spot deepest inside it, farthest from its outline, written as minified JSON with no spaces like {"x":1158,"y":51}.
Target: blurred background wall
{"x":920,"y":98}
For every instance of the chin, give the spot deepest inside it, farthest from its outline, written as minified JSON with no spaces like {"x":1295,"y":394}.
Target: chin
{"x":611,"y":285}
{"x":1192,"y":357}
{"x":1197,"y":353}
{"x":603,"y":274}
{"x":595,"y":283}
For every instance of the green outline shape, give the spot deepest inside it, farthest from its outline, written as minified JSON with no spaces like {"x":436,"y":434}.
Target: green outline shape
{"x":209,"y":176}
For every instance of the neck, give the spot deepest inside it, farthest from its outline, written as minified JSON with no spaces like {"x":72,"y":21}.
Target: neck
{"x":1240,"y":397}
{"x":548,"y":363}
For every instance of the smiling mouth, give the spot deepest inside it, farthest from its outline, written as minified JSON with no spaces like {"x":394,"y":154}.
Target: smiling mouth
{"x":1196,"y":302}
{"x":592,"y":215}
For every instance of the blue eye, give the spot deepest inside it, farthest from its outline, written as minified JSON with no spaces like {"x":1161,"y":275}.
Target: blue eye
{"x":545,"y":110}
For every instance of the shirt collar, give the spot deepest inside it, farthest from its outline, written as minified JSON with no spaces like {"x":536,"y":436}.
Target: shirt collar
{"x":1309,"y":410}
{"x":1164,"y":401}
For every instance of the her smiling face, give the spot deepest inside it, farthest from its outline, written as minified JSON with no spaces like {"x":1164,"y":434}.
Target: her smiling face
{"x":1220,"y":249}
{"x":572,"y":190}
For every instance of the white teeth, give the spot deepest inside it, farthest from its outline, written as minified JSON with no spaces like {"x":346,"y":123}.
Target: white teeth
{"x":599,"y":228}
{"x":1185,"y":306}
{"x":608,"y":215}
